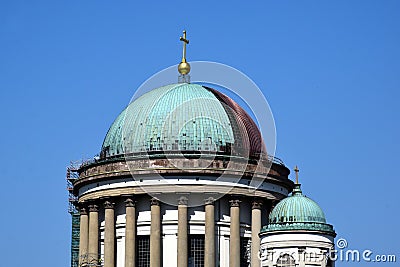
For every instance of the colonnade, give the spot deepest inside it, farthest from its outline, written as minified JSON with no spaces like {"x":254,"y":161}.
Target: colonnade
{"x":89,"y":233}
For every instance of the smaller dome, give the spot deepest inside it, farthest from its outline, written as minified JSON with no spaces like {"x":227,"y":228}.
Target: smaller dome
{"x":298,"y":212}
{"x":297,"y":208}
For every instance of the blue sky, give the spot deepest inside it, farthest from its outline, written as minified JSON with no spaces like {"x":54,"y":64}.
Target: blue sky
{"x":329,"y":70}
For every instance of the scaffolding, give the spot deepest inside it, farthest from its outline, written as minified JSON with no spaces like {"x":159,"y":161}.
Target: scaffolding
{"x":87,"y":260}
{"x":71,"y":176}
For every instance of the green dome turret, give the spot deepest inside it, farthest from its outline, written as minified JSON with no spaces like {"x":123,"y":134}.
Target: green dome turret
{"x":298,"y":212}
{"x":297,"y":208}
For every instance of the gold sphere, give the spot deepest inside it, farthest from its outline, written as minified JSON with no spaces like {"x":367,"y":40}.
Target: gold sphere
{"x":184,"y":68}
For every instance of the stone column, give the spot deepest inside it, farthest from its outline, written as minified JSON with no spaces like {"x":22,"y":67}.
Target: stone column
{"x":109,"y":234}
{"x":209,"y":238}
{"x":182,"y":251}
{"x":255,"y":230}
{"x":155,"y":234}
{"x":130,"y":233}
{"x":302,"y":257}
{"x":234,"y":241}
{"x":83,"y":236}
{"x":93,"y":251}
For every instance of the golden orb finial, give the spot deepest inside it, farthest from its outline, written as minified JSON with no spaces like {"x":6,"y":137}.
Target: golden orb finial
{"x":184,"y":67}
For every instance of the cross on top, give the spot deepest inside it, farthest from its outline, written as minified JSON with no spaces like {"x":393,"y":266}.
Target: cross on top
{"x":185,"y":42}
{"x":296,"y":169}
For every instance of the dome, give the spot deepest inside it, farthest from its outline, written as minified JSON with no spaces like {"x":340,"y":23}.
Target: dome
{"x":297,"y":212}
{"x":183,"y":117}
{"x":297,"y":208}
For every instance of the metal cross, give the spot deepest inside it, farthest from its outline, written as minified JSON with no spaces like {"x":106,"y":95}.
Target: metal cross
{"x":185,"y":42}
{"x":296,"y":169}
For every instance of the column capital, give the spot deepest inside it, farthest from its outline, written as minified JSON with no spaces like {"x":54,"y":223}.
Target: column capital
{"x":257,"y":204}
{"x":301,"y":250}
{"x":183,"y":200}
{"x":235,"y":202}
{"x":82,"y":210}
{"x":129,"y":202}
{"x":209,"y":201}
{"x":93,"y":208}
{"x":108,"y":204}
{"x":154,"y":202}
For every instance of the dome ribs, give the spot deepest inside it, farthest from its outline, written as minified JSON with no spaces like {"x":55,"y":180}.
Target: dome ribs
{"x":252,"y":133}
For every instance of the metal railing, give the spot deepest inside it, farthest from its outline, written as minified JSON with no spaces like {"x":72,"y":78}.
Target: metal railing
{"x":186,"y":154}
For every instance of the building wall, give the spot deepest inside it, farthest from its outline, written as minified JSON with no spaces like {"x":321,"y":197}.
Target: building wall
{"x":307,"y":249}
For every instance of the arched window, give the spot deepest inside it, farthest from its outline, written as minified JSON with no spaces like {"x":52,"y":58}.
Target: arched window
{"x":285,"y":260}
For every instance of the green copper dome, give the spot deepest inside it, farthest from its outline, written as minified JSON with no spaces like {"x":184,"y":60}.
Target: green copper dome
{"x":297,"y":212}
{"x":183,"y":117}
